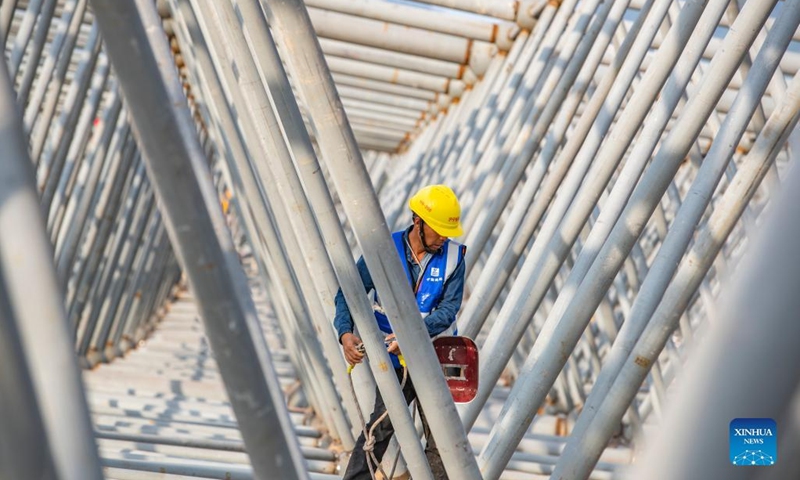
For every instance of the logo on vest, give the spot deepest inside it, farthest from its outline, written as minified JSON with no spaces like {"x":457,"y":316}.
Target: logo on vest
{"x":435,"y":271}
{"x":753,"y":442}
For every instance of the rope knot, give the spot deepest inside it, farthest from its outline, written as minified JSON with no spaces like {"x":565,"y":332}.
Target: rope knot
{"x":369,"y":444}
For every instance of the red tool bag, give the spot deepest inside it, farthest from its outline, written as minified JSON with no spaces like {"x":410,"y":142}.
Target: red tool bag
{"x":459,"y":359}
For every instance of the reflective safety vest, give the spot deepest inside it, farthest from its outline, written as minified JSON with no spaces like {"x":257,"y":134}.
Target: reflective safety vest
{"x":429,"y":288}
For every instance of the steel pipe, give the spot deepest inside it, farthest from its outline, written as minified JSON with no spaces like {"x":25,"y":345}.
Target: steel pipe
{"x":625,"y":232}
{"x":349,"y":93}
{"x":7,"y":10}
{"x":137,"y":197}
{"x":56,"y":63}
{"x":70,"y":153}
{"x":382,"y":144}
{"x":568,"y":83}
{"x":141,"y":56}
{"x":35,"y":50}
{"x":464,"y":155}
{"x":33,"y":312}
{"x":389,"y":112}
{"x":24,"y":449}
{"x":505,"y":9}
{"x":46,"y":145}
{"x":381,"y":119}
{"x":400,"y":90}
{"x":502,"y":258}
{"x":502,"y":33}
{"x":676,"y":243}
{"x":115,"y":129}
{"x":769,"y":273}
{"x":415,"y":41}
{"x":23,"y":36}
{"x":502,"y":349}
{"x":510,"y":105}
{"x":308,"y":168}
{"x":506,"y":69}
{"x":692,"y":271}
{"x":395,"y":59}
{"x":106,"y":206}
{"x":292,"y":199}
{"x":274,"y":223}
{"x":120,"y":271}
{"x":396,"y":75}
{"x":539,"y":269}
{"x":294,"y":31}
{"x":145,"y":263}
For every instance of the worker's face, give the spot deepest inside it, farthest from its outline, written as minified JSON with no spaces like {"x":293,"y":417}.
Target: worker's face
{"x":432,"y":241}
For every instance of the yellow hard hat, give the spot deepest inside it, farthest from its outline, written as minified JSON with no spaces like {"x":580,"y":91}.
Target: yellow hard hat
{"x":437,"y":205}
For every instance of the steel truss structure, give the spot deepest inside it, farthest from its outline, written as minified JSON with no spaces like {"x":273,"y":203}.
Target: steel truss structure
{"x":185,"y":184}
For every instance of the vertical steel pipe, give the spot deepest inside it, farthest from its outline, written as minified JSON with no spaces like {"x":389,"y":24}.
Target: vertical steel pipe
{"x":23,"y":36}
{"x":259,"y":197}
{"x":105,"y":207}
{"x":569,"y":23}
{"x":55,"y":63}
{"x":567,"y":82}
{"x":319,"y":197}
{"x":115,"y":129}
{"x":24,"y":449}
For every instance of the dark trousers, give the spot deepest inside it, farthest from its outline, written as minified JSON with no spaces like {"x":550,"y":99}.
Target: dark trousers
{"x":357,"y":468}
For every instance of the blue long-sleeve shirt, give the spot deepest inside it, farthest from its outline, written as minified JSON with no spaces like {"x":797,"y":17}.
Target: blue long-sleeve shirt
{"x":438,"y":321}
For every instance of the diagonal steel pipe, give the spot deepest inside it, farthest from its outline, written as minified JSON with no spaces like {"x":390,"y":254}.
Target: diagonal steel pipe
{"x":625,"y":232}
{"x":765,"y":286}
{"x":270,"y":214}
{"x":142,"y":59}
{"x":7,"y":9}
{"x":45,"y":393}
{"x":570,"y":76}
{"x":692,"y":271}
{"x":539,"y":268}
{"x":608,"y":96}
{"x":278,"y":175}
{"x":689,"y":215}
{"x":292,"y":26}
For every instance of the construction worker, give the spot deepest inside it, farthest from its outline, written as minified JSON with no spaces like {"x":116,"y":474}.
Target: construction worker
{"x":435,"y":270}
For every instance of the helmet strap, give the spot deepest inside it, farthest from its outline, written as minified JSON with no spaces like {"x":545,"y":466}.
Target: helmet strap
{"x":425,"y":245}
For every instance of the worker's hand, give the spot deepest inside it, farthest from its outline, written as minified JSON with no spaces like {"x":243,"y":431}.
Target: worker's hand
{"x":393,"y":347}
{"x":350,"y":345}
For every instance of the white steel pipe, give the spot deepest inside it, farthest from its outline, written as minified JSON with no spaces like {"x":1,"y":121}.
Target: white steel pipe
{"x":502,"y":33}
{"x":391,"y":58}
{"x":399,"y":76}
{"x":411,"y":40}
{"x":505,"y":9}
{"x":141,"y":57}
{"x":32,"y":299}
{"x":294,"y":31}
